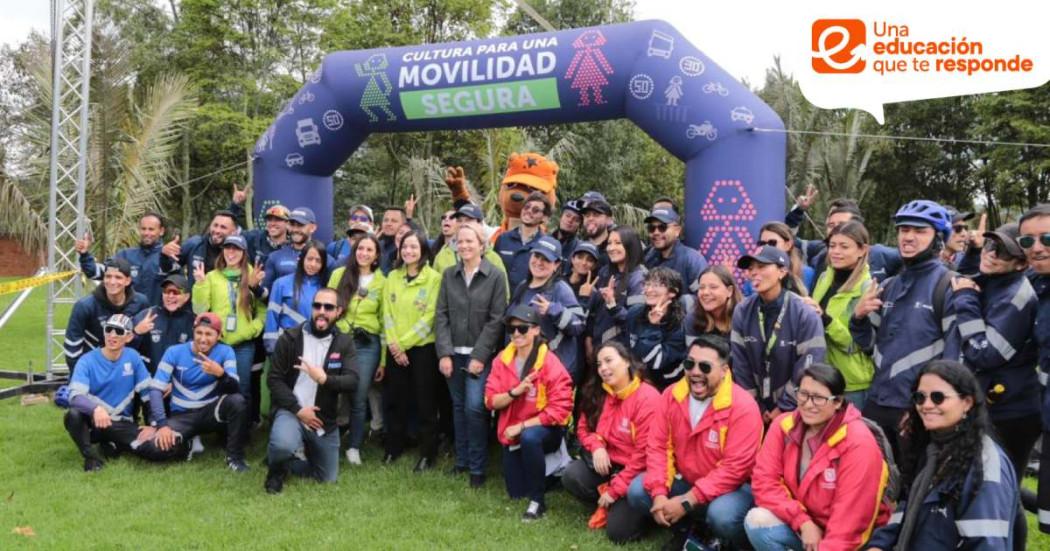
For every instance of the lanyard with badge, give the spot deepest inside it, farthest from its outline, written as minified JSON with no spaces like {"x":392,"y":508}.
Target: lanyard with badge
{"x":767,"y":390}
{"x":231,"y":319}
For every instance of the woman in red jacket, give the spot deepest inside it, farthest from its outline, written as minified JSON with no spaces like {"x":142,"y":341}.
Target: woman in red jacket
{"x":615,"y":414}
{"x":820,"y":476}
{"x":531,"y":389}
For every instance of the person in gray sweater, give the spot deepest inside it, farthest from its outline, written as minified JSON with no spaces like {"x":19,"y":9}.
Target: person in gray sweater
{"x":469,"y":327}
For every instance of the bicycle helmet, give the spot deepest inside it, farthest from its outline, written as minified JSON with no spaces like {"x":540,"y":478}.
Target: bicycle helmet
{"x":62,"y":397}
{"x":925,"y":213}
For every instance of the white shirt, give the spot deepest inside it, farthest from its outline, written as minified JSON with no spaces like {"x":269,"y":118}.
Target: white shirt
{"x":697,"y":409}
{"x":314,"y":352}
{"x":366,"y":280}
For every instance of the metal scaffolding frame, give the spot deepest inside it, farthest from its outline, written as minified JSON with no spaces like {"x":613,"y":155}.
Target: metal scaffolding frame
{"x":71,"y":22}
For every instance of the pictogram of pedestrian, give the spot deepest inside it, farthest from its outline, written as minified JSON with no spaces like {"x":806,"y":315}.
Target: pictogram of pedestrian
{"x":377,"y":94}
{"x":589,"y":67}
{"x":674,"y":91}
{"x":727,"y":211}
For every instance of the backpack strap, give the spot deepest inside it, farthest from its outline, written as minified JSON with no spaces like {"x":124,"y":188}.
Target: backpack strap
{"x":939,"y":291}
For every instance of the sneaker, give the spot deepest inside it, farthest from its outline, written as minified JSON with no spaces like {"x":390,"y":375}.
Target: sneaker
{"x":477,"y":480}
{"x":236,"y":465}
{"x":390,"y":458}
{"x":424,"y":464}
{"x":93,"y":464}
{"x":353,"y":455}
{"x":275,"y":481}
{"x":196,"y":446}
{"x":533,"y":512}
{"x":300,"y":454}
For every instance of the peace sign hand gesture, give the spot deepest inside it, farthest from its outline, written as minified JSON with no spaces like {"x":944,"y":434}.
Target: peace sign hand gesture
{"x":806,"y":201}
{"x":658,"y":311}
{"x":257,"y":275}
{"x":198,"y":271}
{"x":588,"y":285}
{"x":209,"y":366}
{"x":146,"y":325}
{"x":869,"y":302}
{"x":240,"y":195}
{"x":609,"y":292}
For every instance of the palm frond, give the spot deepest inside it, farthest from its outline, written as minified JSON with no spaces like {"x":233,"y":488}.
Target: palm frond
{"x":18,"y":218}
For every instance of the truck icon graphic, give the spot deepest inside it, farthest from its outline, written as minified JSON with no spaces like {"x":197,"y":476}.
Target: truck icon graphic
{"x":307,"y":133}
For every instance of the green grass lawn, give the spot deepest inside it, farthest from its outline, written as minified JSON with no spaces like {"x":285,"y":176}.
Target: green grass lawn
{"x":132,"y":504}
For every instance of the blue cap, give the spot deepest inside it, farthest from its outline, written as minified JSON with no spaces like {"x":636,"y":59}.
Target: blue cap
{"x":667,"y":216}
{"x":470,"y":210}
{"x":586,"y":247}
{"x":547,"y":246}
{"x":765,"y":254}
{"x":236,"y":241}
{"x":302,"y":215}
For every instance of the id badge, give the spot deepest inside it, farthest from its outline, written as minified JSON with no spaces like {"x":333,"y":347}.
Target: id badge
{"x":766,"y":391}
{"x":231,"y":323}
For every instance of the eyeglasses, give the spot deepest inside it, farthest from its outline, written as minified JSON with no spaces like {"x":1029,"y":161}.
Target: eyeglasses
{"x":937,"y":397}
{"x":689,"y":364}
{"x":653,"y":228}
{"x":1028,"y":241}
{"x":801,"y":396}
{"x":448,"y":217}
{"x":770,"y":242}
{"x":359,"y":218}
{"x":535,"y":209}
{"x":326,"y":306}
{"x":959,"y":228}
{"x":172,"y":293}
{"x":118,"y":331}
{"x":519,"y":329}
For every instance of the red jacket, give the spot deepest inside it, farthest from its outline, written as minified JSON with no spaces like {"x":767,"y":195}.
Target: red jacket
{"x":550,"y":397}
{"x":717,"y":455}
{"x":623,"y":430}
{"x":841,"y":490}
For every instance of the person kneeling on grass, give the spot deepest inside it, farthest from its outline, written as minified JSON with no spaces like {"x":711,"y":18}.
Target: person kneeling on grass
{"x":531,"y":389}
{"x":100,"y":394}
{"x":205,"y":396}
{"x":312,"y":364}
{"x":708,"y":429}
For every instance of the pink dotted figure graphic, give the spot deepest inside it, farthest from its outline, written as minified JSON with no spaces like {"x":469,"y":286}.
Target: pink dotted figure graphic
{"x":727,"y":211}
{"x":589,"y":67}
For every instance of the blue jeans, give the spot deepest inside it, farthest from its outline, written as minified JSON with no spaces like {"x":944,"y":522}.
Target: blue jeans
{"x":724,"y":515}
{"x":288,"y":435}
{"x":245,"y":354}
{"x":368,"y":352}
{"x":776,"y":537}
{"x":525,"y":468}
{"x":470,"y":418}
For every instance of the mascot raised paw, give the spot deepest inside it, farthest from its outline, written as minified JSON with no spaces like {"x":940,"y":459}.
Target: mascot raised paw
{"x":526,"y":173}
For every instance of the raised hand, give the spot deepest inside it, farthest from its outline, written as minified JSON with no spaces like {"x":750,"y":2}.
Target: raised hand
{"x":208,"y":365}
{"x":198,"y":272}
{"x":410,"y":206}
{"x":658,"y":312}
{"x":82,"y":245}
{"x":257,"y":275}
{"x":146,"y":325}
{"x":869,"y":301}
{"x":240,"y":195}
{"x":314,"y":372}
{"x":588,"y":284}
{"x":542,"y":304}
{"x":977,"y":236}
{"x":805,"y":201}
{"x":609,"y":292}
{"x":172,"y":248}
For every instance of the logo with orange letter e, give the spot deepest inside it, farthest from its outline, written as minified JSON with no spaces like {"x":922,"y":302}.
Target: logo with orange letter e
{"x":837,"y":45}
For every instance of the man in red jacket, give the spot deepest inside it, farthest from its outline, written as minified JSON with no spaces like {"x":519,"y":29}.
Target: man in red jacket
{"x":701,"y":454}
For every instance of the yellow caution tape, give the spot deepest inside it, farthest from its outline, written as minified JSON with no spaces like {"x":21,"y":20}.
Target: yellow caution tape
{"x":15,"y":286}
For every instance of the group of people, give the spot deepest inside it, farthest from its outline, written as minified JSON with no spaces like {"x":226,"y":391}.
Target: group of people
{"x":845,"y":395}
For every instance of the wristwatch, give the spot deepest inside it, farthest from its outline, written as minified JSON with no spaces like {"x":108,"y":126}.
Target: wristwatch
{"x":687,"y":506}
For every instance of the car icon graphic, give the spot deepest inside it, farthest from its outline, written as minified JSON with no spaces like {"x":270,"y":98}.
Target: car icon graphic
{"x":293,"y":159}
{"x":742,"y":114}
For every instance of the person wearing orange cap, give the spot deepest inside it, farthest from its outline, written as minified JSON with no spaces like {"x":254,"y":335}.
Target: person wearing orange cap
{"x":264,"y":241}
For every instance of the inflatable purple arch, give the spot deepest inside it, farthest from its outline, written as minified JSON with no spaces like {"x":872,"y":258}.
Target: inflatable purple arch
{"x":644,"y":71}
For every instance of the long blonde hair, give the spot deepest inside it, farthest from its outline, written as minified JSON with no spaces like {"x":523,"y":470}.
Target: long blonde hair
{"x":859,"y":234}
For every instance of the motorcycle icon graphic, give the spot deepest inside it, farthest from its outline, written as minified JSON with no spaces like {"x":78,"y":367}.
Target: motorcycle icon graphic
{"x":706,"y":130}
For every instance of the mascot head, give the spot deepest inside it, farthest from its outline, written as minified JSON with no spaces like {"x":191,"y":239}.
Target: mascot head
{"x":526,"y":173}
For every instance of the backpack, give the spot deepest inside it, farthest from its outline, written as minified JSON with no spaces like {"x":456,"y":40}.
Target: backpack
{"x":939,"y":290}
{"x":893,"y":484}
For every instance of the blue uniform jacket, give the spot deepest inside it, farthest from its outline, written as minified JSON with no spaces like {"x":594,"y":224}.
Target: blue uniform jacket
{"x":660,"y":347}
{"x":995,"y":330}
{"x":284,"y":311}
{"x":981,"y":522}
{"x":339,"y":250}
{"x":281,"y":263}
{"x":387,"y":254}
{"x":192,"y":388}
{"x":169,"y":329}
{"x":84,"y":329}
{"x":604,"y":323}
{"x":146,"y":273}
{"x":515,"y":255}
{"x":688,"y":262}
{"x":1041,"y":284}
{"x":903,"y":334}
{"x":799,"y":343}
{"x":260,"y":245}
{"x":563,"y":324}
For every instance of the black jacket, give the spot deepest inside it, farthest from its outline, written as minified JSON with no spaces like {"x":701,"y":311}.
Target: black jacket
{"x":340,"y":364}
{"x":169,"y":329}
{"x":471,"y":317}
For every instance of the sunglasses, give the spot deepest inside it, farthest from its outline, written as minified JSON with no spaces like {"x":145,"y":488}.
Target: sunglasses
{"x":770,"y":242}
{"x":172,"y":293}
{"x":997,"y":248}
{"x":448,"y":217}
{"x":519,"y":329}
{"x":959,"y":228}
{"x":326,"y":306}
{"x":118,"y":331}
{"x":801,"y":396}
{"x":937,"y":397}
{"x":689,"y":364}
{"x":537,"y":209}
{"x":1028,"y":241}
{"x":359,"y":218}
{"x":653,"y":228}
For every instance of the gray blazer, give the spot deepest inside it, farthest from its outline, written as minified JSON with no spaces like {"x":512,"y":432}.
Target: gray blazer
{"x":471,"y":317}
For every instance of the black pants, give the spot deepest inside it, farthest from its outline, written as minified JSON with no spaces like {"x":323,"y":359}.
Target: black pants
{"x":1044,"y":485}
{"x":405,"y":384}
{"x":229,"y":413}
{"x":81,"y":429}
{"x":888,"y":419}
{"x":624,"y":523}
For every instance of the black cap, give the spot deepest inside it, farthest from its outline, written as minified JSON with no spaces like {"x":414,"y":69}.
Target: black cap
{"x":665,"y":215}
{"x":121,"y":265}
{"x":1007,"y":234}
{"x":575,"y":205}
{"x":765,"y":254}
{"x":524,"y":313}
{"x":179,"y":281}
{"x":470,"y":210}
{"x":598,"y":205}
